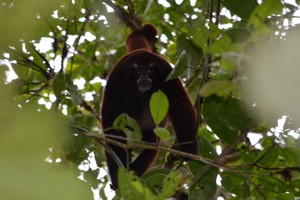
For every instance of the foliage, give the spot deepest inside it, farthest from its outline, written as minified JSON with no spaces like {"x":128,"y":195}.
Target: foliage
{"x":25,"y":138}
{"x":61,"y":53}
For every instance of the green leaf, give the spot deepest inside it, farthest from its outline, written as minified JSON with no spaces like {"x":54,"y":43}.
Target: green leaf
{"x":162,"y":133}
{"x":129,"y":126}
{"x":238,"y":34}
{"x":155,"y":177}
{"x":226,"y":118}
{"x":22,"y":71}
{"x":21,"y":21}
{"x":291,"y":156}
{"x":268,"y":141}
{"x":180,"y":66}
{"x":159,"y":106}
{"x":235,"y":184}
{"x":241,"y":8}
{"x":59,"y":85}
{"x":206,"y":149}
{"x":170,"y":184}
{"x":227,"y":64}
{"x":199,"y":36}
{"x":264,"y":10}
{"x":26,"y":138}
{"x":247,"y":155}
{"x":268,"y":156}
{"x":285,"y":197}
{"x":219,"y":88}
{"x":295,"y":187}
{"x":222,"y":45}
{"x":272,"y":184}
{"x":131,"y":187}
{"x":205,"y":185}
{"x":194,"y":53}
{"x":74,"y":93}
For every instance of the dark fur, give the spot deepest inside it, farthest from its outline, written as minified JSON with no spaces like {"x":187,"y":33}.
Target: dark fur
{"x":121,"y":95}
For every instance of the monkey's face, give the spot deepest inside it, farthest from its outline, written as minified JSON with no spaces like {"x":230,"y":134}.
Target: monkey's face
{"x":144,"y":72}
{"x":143,"y":75}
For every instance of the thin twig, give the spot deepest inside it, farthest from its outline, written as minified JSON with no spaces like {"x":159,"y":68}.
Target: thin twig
{"x":76,"y":43}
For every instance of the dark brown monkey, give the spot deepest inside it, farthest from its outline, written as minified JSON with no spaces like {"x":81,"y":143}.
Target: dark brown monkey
{"x":134,"y":78}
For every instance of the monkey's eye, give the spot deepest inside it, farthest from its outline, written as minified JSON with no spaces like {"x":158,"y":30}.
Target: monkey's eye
{"x":137,"y":72}
{"x":149,"y":70}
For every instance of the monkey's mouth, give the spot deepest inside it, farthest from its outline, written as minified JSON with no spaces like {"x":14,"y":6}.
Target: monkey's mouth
{"x":144,"y":85}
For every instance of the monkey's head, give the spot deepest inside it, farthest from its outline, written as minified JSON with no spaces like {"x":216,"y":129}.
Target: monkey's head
{"x":144,"y":72}
{"x":144,"y":39}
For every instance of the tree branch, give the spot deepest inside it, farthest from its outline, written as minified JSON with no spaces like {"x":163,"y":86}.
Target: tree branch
{"x":145,"y":145}
{"x":129,"y":16}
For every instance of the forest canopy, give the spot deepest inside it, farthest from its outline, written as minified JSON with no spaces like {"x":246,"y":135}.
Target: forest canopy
{"x":236,"y":59}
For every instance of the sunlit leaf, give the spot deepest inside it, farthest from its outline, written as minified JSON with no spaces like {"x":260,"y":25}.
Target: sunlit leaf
{"x":162,"y":133}
{"x":159,"y":105}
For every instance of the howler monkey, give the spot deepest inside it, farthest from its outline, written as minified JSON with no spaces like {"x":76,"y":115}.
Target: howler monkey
{"x":134,"y":78}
